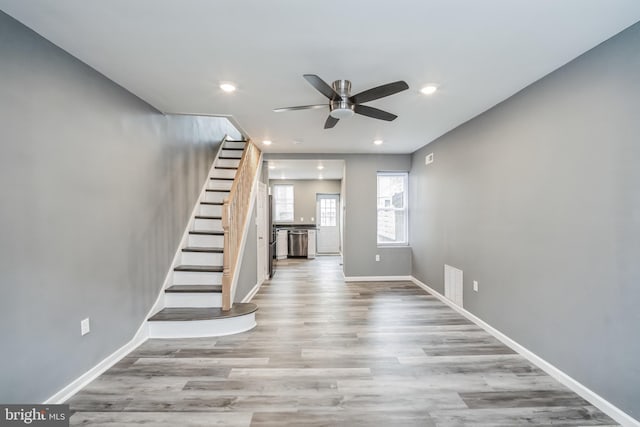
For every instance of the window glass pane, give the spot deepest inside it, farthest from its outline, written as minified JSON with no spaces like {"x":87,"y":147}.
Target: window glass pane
{"x":392,"y":209}
{"x":328,"y":208}
{"x":283,"y":202}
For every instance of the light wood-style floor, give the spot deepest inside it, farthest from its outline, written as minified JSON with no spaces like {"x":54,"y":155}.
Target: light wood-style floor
{"x":330,"y":353}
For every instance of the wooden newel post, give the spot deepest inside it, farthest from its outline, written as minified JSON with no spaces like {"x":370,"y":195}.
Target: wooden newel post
{"x":226,"y":259}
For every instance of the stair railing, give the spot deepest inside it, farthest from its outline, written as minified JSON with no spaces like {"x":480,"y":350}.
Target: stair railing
{"x":235,"y":214}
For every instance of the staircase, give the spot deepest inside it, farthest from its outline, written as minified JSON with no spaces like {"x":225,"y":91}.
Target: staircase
{"x":193,"y":303}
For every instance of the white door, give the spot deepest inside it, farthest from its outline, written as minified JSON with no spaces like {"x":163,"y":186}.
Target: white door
{"x":328,"y":222}
{"x":261,"y":227}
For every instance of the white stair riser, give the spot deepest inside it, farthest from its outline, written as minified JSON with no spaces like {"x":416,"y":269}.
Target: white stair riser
{"x":231,"y":153}
{"x":228,"y":162}
{"x":210,"y":210}
{"x":192,"y":299}
{"x":201,"y":258}
{"x":219,"y":184}
{"x":205,"y":241}
{"x":196,"y":278}
{"x":215,"y":196}
{"x":230,"y":144}
{"x":207,"y":224}
{"x":223,"y":173}
{"x":202,"y":328}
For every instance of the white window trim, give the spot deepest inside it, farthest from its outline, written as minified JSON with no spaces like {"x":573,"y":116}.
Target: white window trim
{"x":293,"y":203}
{"x":405,"y":243}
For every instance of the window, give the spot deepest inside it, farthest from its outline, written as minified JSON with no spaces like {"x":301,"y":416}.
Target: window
{"x":392,"y":208}
{"x":283,"y":203}
{"x":328,"y":212}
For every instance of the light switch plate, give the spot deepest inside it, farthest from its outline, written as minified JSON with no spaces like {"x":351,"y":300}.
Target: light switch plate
{"x":475,"y":285}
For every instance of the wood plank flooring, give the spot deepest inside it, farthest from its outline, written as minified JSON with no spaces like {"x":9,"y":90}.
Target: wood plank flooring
{"x":330,"y":353}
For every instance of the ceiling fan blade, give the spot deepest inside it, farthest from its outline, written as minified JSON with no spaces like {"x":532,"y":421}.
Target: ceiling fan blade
{"x":374,"y":112}
{"x":301,"y":107}
{"x":321,"y":86}
{"x":331,"y":122}
{"x":379,"y":92}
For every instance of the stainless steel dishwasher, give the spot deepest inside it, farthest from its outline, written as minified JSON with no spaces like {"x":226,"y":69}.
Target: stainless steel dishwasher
{"x":298,"y":243}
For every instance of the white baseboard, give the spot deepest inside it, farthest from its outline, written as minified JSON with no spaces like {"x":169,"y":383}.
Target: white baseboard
{"x":79,"y":383}
{"x":377,"y":278}
{"x":252,"y":293}
{"x":598,"y":401}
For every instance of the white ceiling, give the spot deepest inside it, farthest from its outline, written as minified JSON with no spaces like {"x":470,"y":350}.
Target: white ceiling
{"x":305,"y":169}
{"x":174,"y":54}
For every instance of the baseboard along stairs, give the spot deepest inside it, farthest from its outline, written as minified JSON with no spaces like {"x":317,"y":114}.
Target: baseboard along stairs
{"x":193,"y":297}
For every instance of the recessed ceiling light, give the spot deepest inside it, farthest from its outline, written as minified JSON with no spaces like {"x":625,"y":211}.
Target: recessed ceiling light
{"x":227,"y":87}
{"x":429,"y":89}
{"x":266,"y":142}
{"x":320,"y":167}
{"x":283,"y":176}
{"x":272,"y":166}
{"x":378,"y":142}
{"x":319,"y":176}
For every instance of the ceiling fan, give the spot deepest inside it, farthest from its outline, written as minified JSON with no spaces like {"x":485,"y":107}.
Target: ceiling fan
{"x":342,"y":104}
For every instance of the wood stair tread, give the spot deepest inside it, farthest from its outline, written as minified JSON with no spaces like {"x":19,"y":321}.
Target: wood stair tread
{"x":202,"y":249}
{"x":226,"y":167}
{"x":228,"y":158}
{"x":233,"y":148}
{"x":207,"y":233}
{"x":182,"y":314}
{"x":200,"y":268}
{"x":194,"y":289}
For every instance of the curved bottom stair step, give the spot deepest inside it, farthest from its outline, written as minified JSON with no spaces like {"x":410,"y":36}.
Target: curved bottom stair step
{"x":183,"y":322}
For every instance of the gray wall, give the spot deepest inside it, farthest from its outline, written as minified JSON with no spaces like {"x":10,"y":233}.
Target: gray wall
{"x":304,"y":196}
{"x":538,"y":199}
{"x":96,"y":189}
{"x":360,"y":228}
{"x":248,"y":275}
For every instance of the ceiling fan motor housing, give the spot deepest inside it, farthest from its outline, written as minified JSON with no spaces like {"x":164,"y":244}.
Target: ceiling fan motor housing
{"x":341,"y":108}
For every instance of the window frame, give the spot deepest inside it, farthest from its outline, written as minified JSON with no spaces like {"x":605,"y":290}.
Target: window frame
{"x":405,"y":208}
{"x":276,"y":204}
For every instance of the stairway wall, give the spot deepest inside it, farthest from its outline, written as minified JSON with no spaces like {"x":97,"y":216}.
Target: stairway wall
{"x":96,"y":189}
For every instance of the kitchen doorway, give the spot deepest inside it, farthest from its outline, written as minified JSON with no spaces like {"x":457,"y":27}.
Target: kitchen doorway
{"x":328,"y":223}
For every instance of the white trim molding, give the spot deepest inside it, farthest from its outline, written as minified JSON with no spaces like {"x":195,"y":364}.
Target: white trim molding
{"x":594,"y":398}
{"x":83,"y":380}
{"x":378,"y":278}
{"x":252,"y":293}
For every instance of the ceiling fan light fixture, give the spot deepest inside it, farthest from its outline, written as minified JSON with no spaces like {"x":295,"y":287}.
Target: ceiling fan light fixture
{"x":341,"y":113}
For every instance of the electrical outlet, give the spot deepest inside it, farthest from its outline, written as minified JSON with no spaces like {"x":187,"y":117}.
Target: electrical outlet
{"x":377,"y":257}
{"x":475,"y":285}
{"x":85,"y":327}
